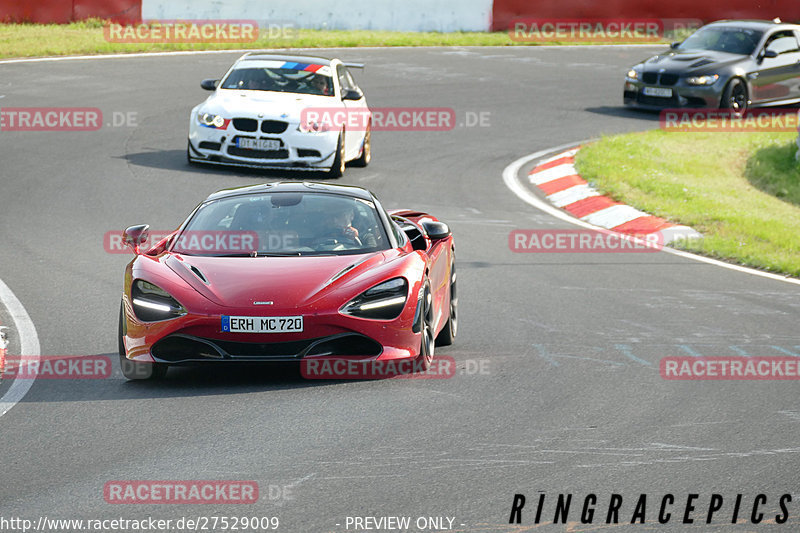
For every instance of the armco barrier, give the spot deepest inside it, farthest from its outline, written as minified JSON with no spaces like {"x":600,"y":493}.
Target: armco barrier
{"x":504,"y":12}
{"x":412,"y":15}
{"x":64,"y":11}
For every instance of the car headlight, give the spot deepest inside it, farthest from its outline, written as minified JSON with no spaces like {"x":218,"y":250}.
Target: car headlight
{"x":152,"y":303}
{"x":632,"y":75}
{"x":708,"y":79}
{"x":210,"y":120}
{"x":382,"y":302}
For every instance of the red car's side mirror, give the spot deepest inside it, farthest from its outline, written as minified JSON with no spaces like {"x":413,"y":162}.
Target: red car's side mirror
{"x":135,"y":236}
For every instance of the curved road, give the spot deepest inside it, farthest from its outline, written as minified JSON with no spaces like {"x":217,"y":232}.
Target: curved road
{"x":569,"y":401}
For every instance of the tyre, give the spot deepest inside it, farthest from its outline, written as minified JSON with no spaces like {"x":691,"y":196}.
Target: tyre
{"x":427,"y":342}
{"x":337,"y":169}
{"x":448,"y":333}
{"x":135,"y":370}
{"x":366,"y":152}
{"x":734,"y":97}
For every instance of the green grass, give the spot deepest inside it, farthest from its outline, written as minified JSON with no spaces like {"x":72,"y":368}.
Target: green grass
{"x":741,"y":190}
{"x":81,"y":38}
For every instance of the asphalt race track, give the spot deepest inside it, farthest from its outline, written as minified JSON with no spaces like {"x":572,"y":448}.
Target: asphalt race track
{"x":570,"y":399}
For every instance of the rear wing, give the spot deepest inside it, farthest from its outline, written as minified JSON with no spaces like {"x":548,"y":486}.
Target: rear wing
{"x":354,"y":65}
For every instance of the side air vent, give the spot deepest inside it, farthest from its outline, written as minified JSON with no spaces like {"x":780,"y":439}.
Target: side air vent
{"x":199,"y":274}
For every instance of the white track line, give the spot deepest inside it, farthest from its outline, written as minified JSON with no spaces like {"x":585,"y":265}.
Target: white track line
{"x":290,"y":50}
{"x":511,"y":179}
{"x":29,"y":347}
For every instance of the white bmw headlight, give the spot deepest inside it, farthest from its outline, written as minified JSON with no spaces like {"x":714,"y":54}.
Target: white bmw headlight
{"x":632,"y":74}
{"x":708,"y":79}
{"x":210,"y":120}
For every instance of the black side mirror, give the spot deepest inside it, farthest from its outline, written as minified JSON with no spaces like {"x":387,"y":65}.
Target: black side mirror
{"x":352,"y":94}
{"x":436,"y":230}
{"x":770,"y":53}
{"x":675,"y":45}
{"x":135,"y":236}
{"x":209,"y":85}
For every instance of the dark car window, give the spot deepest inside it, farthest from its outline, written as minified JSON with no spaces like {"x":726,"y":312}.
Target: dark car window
{"x":284,"y":223}
{"x":279,"y":80}
{"x":783,"y":42}
{"x":740,"y":41}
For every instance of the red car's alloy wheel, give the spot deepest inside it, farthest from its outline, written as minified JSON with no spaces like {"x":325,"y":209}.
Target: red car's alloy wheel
{"x":426,"y":325}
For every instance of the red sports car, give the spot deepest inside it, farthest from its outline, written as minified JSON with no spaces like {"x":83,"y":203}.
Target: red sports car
{"x":296,"y":271}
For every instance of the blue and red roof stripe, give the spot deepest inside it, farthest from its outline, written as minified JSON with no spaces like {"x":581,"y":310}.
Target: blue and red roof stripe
{"x":301,"y":66}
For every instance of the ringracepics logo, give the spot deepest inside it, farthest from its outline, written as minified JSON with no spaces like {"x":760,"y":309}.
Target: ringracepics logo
{"x":339,"y":368}
{"x":183,"y":31}
{"x":582,"y":241}
{"x":50,"y":119}
{"x":600,"y":30}
{"x":56,"y":367}
{"x":729,"y":121}
{"x":322,"y":119}
{"x":730,"y":368}
{"x":651,"y":509}
{"x":180,"y":492}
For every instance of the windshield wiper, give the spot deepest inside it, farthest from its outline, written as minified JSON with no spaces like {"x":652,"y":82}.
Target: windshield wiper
{"x":256,"y":253}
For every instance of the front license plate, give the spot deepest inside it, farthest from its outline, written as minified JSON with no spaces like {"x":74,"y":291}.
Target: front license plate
{"x":267,"y":145}
{"x":262,"y":324}
{"x":657,"y":91}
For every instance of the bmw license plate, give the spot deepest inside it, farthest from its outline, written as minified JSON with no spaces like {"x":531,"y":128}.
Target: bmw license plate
{"x":262,"y":324}
{"x":267,"y":145}
{"x":657,"y":91}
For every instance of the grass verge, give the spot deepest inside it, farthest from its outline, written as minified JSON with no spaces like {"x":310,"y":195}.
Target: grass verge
{"x":85,"y":38}
{"x":741,"y":190}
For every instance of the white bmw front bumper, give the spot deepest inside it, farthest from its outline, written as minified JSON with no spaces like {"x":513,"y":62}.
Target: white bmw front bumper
{"x":296,"y":148}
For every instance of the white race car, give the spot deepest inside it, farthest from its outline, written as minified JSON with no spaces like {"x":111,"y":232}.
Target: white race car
{"x":274,"y":111}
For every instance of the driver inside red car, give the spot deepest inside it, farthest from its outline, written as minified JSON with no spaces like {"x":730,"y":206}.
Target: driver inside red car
{"x":340,"y":226}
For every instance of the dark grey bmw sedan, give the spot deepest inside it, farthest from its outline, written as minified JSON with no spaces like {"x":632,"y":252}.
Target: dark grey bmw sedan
{"x":726,"y":64}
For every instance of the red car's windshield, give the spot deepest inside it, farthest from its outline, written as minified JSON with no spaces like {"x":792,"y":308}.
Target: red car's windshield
{"x":283,"y":224}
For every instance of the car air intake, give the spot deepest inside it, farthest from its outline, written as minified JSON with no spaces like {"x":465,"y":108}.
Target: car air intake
{"x":302,"y":152}
{"x":245,"y":124}
{"x":669,"y":79}
{"x":273,"y":126}
{"x":258,"y":154}
{"x":208,"y":145}
{"x":650,"y":77}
